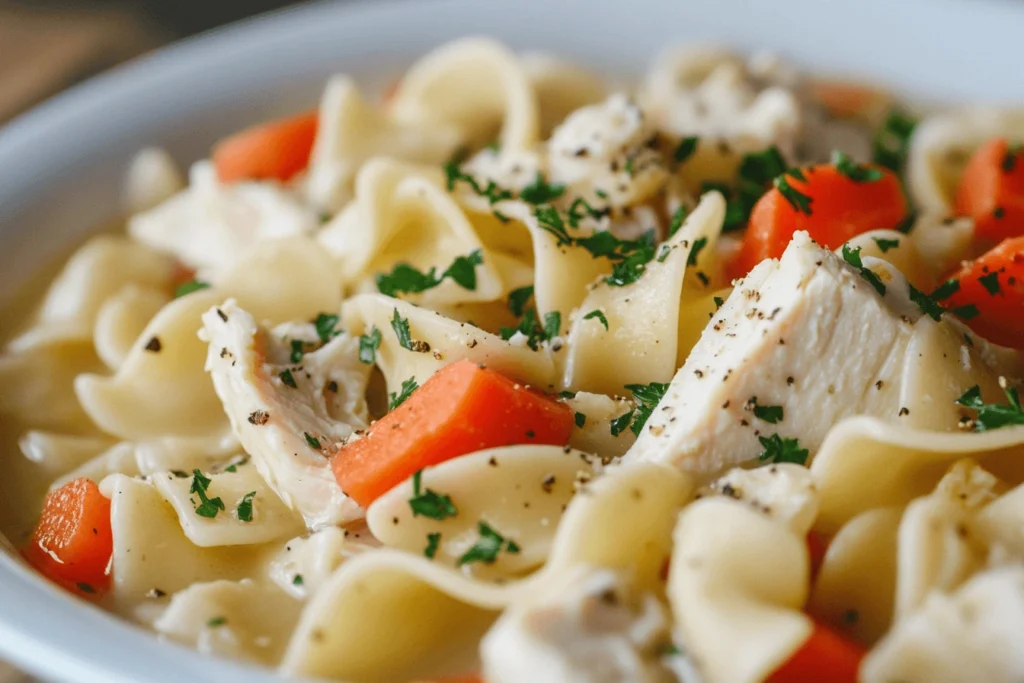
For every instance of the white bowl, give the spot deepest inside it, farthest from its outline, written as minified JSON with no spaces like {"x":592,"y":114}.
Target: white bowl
{"x":62,"y":163}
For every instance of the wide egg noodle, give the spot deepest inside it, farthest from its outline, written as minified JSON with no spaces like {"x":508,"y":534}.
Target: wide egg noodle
{"x":519,"y":491}
{"x":447,"y":341}
{"x":475,"y":84}
{"x":56,"y":453}
{"x":642,"y":317}
{"x":596,"y":412}
{"x":159,"y":390}
{"x":737,"y":624}
{"x":121,"y":321}
{"x":394,"y":616}
{"x":561,"y":87}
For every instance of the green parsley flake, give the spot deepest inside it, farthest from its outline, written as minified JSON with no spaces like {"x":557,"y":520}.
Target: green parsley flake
{"x":312,"y":441}
{"x":718,"y":301}
{"x":401,"y":327}
{"x":368,"y":345}
{"x":85,"y":588}
{"x":395,"y":400}
{"x":407,"y":279}
{"x":685,"y":149}
{"x":580,"y":419}
{"x":433,"y":542}
{"x":217,"y":621}
{"x":647,"y":397}
{"x":208,"y":507}
{"x":993,"y":416}
{"x":854,"y":171}
{"x":532,"y":328}
{"x":678,"y":217}
{"x":600,"y":317}
{"x":462,"y":271}
{"x":488,"y":546}
{"x":518,"y":298}
{"x":966,"y":312}
{"x":797,"y":199}
{"x":907,"y":224}
{"x":885,"y":245}
{"x":990,"y":282}
{"x":429,"y":503}
{"x":698,"y":246}
{"x":1010,"y":158}
{"x":454,"y":174}
{"x":298,"y":348}
{"x":892,"y":141}
{"x":297,"y":580}
{"x":326,"y":327}
{"x":552,"y":324}
{"x":778,"y":449}
{"x":566,"y":394}
{"x":852,"y":256}
{"x":244,"y":509}
{"x":287,"y":378}
{"x":770,"y":414}
{"x":540,"y":192}
{"x":189,"y":287}
{"x":926,"y":303}
{"x":946,"y":290}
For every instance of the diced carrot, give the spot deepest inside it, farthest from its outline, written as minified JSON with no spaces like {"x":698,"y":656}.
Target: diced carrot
{"x":816,"y":547}
{"x":991,"y":191}
{"x":826,"y":657}
{"x":461,"y":409}
{"x":180,"y":275}
{"x":990,"y":298}
{"x":846,"y":99}
{"x":73,"y":542}
{"x":270,"y":151}
{"x":840,"y":208}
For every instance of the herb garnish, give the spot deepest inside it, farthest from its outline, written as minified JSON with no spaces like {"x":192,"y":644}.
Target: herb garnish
{"x":312,"y":441}
{"x":580,"y":419}
{"x":429,"y":503}
{"x":189,"y":287}
{"x":756,"y":172}
{"x":535,"y":331}
{"x":600,"y":317}
{"x":990,"y":282}
{"x":678,"y":217}
{"x":885,"y":245}
{"x":993,"y":416}
{"x":778,"y":449}
{"x":698,"y":246}
{"x":453,"y":173}
{"x":368,"y":345}
{"x":892,"y":141}
{"x":244,"y":509}
{"x":408,"y":386}
{"x":325,"y":327}
{"x":85,"y":587}
{"x":433,"y":541}
{"x":217,"y":621}
{"x":647,"y":397}
{"x":298,"y":348}
{"x":287,"y":378}
{"x":208,"y":507}
{"x":540,"y":192}
{"x":685,"y":149}
{"x":797,"y":199}
{"x":926,"y":303}
{"x":852,"y":256}
{"x":401,"y":327}
{"x":486,"y":549}
{"x":297,"y":580}
{"x":854,"y":171}
{"x":770,"y":414}
{"x":407,"y":279}
{"x":518,"y":298}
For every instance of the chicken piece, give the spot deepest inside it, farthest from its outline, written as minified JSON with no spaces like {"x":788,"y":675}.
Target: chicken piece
{"x":289,"y":416}
{"x":590,"y":633}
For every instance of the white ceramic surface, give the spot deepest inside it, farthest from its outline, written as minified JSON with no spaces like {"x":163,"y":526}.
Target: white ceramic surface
{"x":60,"y":165}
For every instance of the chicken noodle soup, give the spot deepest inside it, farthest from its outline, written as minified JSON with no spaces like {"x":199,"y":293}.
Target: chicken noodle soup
{"x":514,"y":376}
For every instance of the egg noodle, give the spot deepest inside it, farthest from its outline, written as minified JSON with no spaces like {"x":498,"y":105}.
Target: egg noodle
{"x":817,"y":463}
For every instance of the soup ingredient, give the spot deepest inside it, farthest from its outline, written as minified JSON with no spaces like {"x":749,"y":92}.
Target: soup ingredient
{"x":826,"y":657}
{"x":462,"y":408}
{"x":989,"y":293}
{"x":269,"y":151}
{"x":832,"y":202}
{"x":72,"y":543}
{"x":991,"y":191}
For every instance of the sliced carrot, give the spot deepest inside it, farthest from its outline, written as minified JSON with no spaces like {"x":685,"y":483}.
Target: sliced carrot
{"x":840,"y":208}
{"x":990,"y":297}
{"x":73,"y":542}
{"x":270,"y":151}
{"x":991,"y":191}
{"x":816,"y":547}
{"x":462,"y":408}
{"x":825,"y":657}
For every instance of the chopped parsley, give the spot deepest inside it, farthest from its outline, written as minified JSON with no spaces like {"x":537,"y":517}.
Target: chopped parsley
{"x":189,"y":287}
{"x":929,"y":305}
{"x":312,"y":441}
{"x":854,"y":171}
{"x":395,"y":400}
{"x":600,"y":317}
{"x":770,"y":414}
{"x":217,"y":621}
{"x":580,"y":208}
{"x":433,"y":541}
{"x":647,"y":397}
{"x":885,"y":245}
{"x":797,"y":199}
{"x":552,"y":324}
{"x":926,"y":303}
{"x":580,"y":419}
{"x":635,"y":255}
{"x":990,"y":415}
{"x":535,"y":331}
{"x":453,"y":174}
{"x":990,"y":282}
{"x":852,"y":256}
{"x":429,"y":503}
{"x":407,"y":279}
{"x":892,"y":141}
{"x":907,"y":224}
{"x":566,"y":394}
{"x":540,"y":192}
{"x":298,"y":348}
{"x":244,"y":509}
{"x":85,"y":587}
{"x":368,"y":345}
{"x":678,"y":217}
{"x":946,"y":290}
{"x":488,"y":546}
{"x":288,"y":379}
{"x":518,"y":298}
{"x":698,"y":246}
{"x":685,"y":149}
{"x":1010,"y":158}
{"x":778,"y":449}
{"x":207,"y":507}
{"x":401,"y":327}
{"x":297,"y":580}
{"x":965,"y":312}
{"x":326,"y":327}
{"x":756,"y":172}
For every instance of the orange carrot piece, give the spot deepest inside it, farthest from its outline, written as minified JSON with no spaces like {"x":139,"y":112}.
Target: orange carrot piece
{"x":993,"y":284}
{"x":270,"y":151}
{"x":848,"y":99}
{"x":991,"y":191}
{"x":461,"y":409}
{"x":825,"y":657}
{"x":840,"y":208}
{"x":816,"y":548}
{"x":73,"y":542}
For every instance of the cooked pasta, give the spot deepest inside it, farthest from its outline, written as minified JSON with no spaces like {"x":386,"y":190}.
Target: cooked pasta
{"x":516,"y":375}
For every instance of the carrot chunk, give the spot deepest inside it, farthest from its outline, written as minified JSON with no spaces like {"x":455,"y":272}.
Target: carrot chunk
{"x":826,"y":657}
{"x":461,"y":409}
{"x":270,"y":151}
{"x":991,"y":191}
{"x":73,"y":542}
{"x":829,"y":204}
{"x":989,"y":294}
{"x":817,"y":546}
